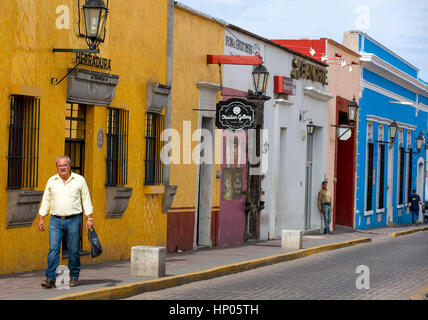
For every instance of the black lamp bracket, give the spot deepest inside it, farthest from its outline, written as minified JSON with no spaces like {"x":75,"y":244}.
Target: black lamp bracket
{"x":88,"y":52}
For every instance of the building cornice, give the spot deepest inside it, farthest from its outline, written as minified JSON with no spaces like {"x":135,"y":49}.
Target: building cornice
{"x":318,"y":94}
{"x":401,"y":125}
{"x":374,"y":63}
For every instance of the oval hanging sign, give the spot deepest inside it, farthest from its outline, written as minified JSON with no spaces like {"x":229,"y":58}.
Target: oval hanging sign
{"x":236,"y":114}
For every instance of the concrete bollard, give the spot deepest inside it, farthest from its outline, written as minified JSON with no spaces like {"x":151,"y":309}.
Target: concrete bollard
{"x":292,"y":239}
{"x":148,"y":261}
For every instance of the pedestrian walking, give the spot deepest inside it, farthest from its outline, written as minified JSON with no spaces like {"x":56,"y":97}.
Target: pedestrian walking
{"x":324,"y":205}
{"x":414,"y":201}
{"x":66,"y":198}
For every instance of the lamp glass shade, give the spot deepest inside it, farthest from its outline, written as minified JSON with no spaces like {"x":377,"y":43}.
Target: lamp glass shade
{"x":260,"y":79}
{"x":95,"y":14}
{"x":393,"y":131}
{"x":310,"y":128}
{"x":352,"y":111}
{"x":419,"y":142}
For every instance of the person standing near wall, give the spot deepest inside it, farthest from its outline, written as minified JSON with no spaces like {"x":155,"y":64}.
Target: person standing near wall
{"x":324,"y":205}
{"x":66,"y":197}
{"x":414,"y":201}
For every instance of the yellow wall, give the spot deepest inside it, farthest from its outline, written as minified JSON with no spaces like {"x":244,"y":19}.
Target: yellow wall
{"x":136,"y":43}
{"x":194,"y":38}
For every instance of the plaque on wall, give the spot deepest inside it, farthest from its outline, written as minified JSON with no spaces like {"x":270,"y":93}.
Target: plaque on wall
{"x":232,"y":183}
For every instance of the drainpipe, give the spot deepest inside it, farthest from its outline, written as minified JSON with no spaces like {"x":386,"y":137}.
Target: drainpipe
{"x":169,"y":190}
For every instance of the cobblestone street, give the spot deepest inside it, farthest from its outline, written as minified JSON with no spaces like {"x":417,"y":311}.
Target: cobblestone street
{"x":398,"y":268}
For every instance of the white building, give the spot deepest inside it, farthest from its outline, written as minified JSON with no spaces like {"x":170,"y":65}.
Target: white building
{"x":296,"y":161}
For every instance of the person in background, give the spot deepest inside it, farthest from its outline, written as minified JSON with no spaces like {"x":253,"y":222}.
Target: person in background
{"x":414,"y":201}
{"x":324,"y":205}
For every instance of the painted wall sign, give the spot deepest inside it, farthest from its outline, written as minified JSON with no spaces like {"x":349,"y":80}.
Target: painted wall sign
{"x":284,"y":85}
{"x":305,"y":70}
{"x":232,"y":183}
{"x":93,"y":61}
{"x":236,"y":114}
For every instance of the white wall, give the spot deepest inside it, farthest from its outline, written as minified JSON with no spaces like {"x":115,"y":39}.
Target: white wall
{"x":284,"y":182}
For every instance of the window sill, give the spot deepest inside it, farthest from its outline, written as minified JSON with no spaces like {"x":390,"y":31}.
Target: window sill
{"x":380,"y":210}
{"x":157,"y":189}
{"x":400,"y":206}
{"x":368,"y":213}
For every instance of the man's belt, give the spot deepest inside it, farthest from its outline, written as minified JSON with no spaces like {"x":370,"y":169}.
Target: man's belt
{"x":329,"y":203}
{"x":66,"y":217}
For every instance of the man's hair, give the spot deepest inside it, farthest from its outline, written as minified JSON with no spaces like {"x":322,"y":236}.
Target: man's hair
{"x":414,"y":191}
{"x":324,"y":182}
{"x":63,"y":157}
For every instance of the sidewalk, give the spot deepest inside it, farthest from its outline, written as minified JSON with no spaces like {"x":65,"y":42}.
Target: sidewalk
{"x":109,"y":280}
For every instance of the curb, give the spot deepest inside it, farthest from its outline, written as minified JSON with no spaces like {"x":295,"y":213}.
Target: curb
{"x":420,"y":295}
{"x":128,"y":290}
{"x":402,"y":233}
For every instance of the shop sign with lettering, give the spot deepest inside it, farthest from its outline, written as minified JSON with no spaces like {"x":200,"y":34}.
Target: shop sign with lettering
{"x":236,"y":114}
{"x":93,"y":61}
{"x":305,"y":70}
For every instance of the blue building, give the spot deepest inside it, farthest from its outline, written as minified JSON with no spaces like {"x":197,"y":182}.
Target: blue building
{"x":388,"y":168}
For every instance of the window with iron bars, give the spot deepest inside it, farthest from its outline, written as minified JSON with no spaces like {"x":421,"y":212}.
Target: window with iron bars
{"x":23,"y":155}
{"x":154,"y":168}
{"x":117,"y":147}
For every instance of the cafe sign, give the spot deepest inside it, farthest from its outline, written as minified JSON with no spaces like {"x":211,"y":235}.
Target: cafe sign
{"x":236,"y":114}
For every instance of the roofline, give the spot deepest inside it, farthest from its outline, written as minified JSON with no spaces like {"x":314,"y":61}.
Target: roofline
{"x":236,"y":28}
{"x":201,"y":14}
{"x":386,"y":49}
{"x":341,"y":46}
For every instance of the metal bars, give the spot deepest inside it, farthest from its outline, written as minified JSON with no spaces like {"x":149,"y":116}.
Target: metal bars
{"x":155,"y":124}
{"x":23,"y":156}
{"x":117,"y":147}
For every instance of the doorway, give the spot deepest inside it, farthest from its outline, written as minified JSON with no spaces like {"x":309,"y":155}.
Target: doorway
{"x":308,"y":182}
{"x":75,"y":129}
{"x":344,"y":186}
{"x":205,"y":184}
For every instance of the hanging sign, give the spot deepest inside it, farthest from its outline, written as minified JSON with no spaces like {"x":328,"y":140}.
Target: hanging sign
{"x":236,"y":114}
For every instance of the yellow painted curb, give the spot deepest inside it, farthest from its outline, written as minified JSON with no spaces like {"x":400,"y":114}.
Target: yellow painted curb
{"x":131,"y":289}
{"x":402,"y":233}
{"x":420,"y":295}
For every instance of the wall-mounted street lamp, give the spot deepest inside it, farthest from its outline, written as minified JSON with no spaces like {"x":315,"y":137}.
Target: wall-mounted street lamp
{"x":352,"y":118}
{"x":95,"y":14}
{"x":352,"y":111}
{"x":419,"y":144}
{"x":393,"y":128}
{"x":260,"y":80}
{"x":310,"y":128}
{"x":95,"y":17}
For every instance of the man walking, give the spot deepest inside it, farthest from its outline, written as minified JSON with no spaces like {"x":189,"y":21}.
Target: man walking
{"x":324,"y":205}
{"x":414,"y":201}
{"x":66,"y":197}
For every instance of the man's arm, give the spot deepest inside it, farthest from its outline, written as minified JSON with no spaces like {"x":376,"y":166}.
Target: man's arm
{"x":88,"y":209}
{"x":44,"y":207}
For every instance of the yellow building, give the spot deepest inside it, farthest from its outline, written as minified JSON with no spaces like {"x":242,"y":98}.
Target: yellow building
{"x":97,"y":116}
{"x":192,"y":220}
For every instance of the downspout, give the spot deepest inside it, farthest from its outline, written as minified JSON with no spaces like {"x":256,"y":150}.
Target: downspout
{"x":169,"y":190}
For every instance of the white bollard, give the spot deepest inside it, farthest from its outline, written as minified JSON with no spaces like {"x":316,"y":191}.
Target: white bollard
{"x":292,"y":239}
{"x":148,"y":261}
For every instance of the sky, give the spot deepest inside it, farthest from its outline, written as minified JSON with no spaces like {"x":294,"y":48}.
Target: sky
{"x":400,"y":25}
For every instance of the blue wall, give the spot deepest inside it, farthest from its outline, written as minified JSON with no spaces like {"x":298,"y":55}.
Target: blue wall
{"x":371,"y":47}
{"x":374,"y":103}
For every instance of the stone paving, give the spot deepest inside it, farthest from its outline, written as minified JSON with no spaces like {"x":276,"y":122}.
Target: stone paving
{"x":107,"y":274}
{"x":398,"y":268}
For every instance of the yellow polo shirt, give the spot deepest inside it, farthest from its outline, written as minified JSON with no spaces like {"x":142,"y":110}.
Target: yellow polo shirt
{"x":66,"y":199}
